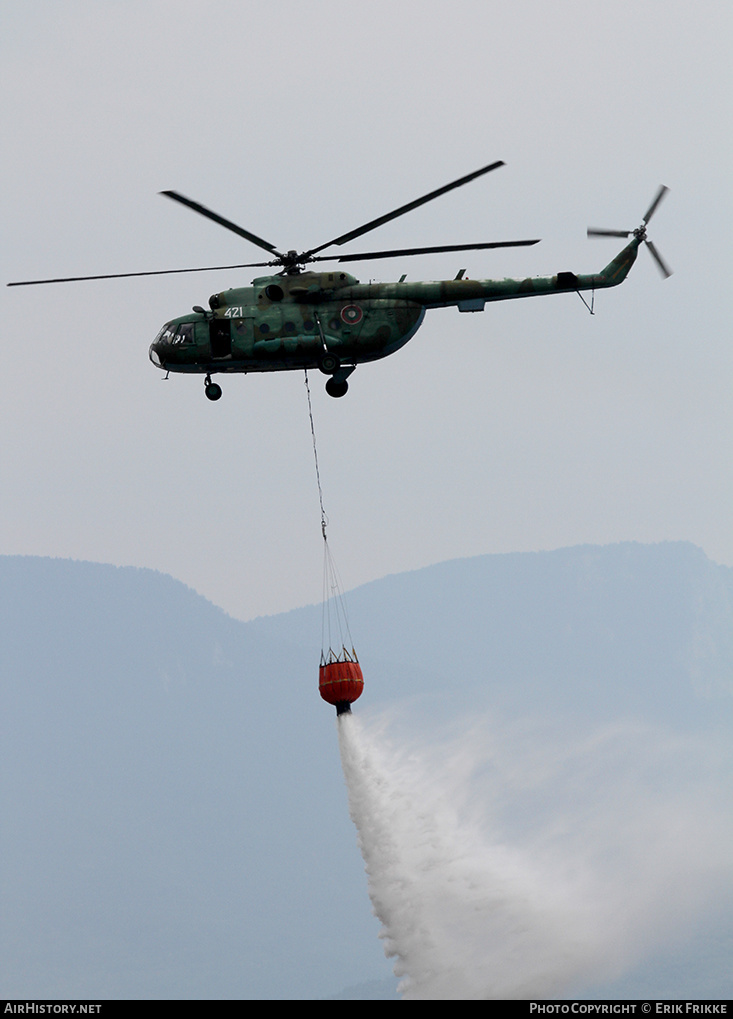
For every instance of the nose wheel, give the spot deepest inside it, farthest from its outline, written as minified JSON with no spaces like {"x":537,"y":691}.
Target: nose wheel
{"x":212,"y":389}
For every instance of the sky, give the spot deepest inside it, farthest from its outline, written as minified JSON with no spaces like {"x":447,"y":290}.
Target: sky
{"x":530,"y":426}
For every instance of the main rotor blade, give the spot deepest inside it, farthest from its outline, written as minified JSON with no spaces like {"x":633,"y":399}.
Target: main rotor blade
{"x":593,"y":232}
{"x":221,"y":221}
{"x":374,"y":223}
{"x":663,"y":189}
{"x":663,"y":267}
{"x":121,"y":275}
{"x":399,"y":252}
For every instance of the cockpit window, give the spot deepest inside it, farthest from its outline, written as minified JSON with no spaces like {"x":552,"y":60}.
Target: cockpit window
{"x":184,"y":333}
{"x":175,"y":334}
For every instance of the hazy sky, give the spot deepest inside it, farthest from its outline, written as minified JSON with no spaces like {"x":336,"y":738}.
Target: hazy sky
{"x":530,"y":426}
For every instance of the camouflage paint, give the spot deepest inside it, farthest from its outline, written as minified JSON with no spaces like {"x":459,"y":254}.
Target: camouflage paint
{"x":289,"y":321}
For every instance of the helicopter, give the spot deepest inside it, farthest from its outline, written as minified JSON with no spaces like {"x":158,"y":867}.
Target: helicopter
{"x":300,"y":319}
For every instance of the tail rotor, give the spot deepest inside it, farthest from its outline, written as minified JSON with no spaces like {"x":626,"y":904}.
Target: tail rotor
{"x":640,"y":232}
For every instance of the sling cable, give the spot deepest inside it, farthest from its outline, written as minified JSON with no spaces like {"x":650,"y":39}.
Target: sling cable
{"x":340,"y":680}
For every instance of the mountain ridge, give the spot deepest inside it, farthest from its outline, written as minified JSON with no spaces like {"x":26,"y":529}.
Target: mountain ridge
{"x":176,"y":823}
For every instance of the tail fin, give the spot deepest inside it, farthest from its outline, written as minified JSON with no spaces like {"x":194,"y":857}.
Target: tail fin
{"x":617,"y":270}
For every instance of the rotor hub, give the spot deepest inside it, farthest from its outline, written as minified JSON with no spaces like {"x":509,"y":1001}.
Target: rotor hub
{"x":639,"y":234}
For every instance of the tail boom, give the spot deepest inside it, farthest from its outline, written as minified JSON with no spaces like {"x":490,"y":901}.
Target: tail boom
{"x":472,"y":295}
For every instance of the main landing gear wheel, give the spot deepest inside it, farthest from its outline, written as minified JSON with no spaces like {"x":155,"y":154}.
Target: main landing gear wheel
{"x":212,"y":389}
{"x":334,"y":388}
{"x":329,"y":364}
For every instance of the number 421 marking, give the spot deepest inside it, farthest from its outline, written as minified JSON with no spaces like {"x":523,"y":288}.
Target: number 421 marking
{"x":235,"y":311}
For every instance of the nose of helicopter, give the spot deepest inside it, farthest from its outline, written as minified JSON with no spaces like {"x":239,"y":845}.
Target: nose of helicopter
{"x":154,"y":353}
{"x":156,"y":347}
